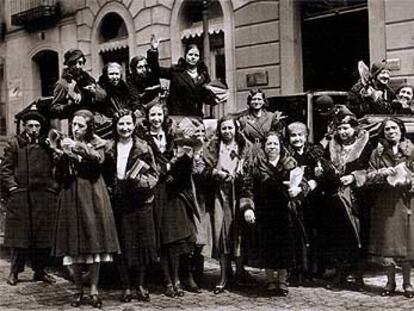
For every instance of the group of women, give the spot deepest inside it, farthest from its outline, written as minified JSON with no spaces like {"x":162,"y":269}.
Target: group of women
{"x":163,"y":191}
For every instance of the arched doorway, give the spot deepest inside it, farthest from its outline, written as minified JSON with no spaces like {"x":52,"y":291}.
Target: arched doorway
{"x":113,"y":40}
{"x":187,"y":27}
{"x":45,"y":72}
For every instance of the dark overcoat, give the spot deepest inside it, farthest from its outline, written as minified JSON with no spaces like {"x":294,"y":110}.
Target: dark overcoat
{"x":186,"y":95}
{"x":174,"y":198}
{"x":392,"y":223}
{"x":270,"y":242}
{"x":85,"y":223}
{"x":220,"y":198}
{"x":343,"y":205}
{"x":133,"y":201}
{"x":31,"y":209}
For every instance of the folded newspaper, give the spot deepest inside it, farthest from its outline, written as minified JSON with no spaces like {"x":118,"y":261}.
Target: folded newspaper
{"x":401,"y":175}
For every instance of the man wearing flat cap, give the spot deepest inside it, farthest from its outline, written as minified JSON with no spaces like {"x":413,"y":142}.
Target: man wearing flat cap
{"x":27,"y":181}
{"x":376,"y":96}
{"x":76,"y":89}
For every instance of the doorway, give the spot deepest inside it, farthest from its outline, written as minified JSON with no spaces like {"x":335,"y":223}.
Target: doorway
{"x":334,"y":39}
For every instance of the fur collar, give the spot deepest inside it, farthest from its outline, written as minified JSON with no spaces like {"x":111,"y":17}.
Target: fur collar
{"x":335,"y":149}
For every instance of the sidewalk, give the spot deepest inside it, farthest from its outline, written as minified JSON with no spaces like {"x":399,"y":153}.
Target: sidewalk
{"x":29,"y":295}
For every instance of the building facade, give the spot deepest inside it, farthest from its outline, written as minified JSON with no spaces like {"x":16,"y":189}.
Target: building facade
{"x":281,"y":46}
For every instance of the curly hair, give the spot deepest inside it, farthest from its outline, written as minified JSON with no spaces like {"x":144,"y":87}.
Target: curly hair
{"x":254,"y":92}
{"x":119,"y":115}
{"x":90,"y":122}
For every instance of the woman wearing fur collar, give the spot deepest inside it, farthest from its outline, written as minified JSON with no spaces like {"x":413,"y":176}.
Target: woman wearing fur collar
{"x":392,"y":226}
{"x":342,"y":173}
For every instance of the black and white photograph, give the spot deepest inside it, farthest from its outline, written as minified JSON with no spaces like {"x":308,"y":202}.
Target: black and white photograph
{"x":206,"y":155}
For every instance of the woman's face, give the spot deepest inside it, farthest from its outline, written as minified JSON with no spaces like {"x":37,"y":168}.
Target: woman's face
{"x":272,"y":147}
{"x":392,"y":132}
{"x":125,"y":127}
{"x":79,"y":127}
{"x":192,"y":57}
{"x":156,"y":117}
{"x":114,"y":75}
{"x":346,"y":132}
{"x":384,"y":76}
{"x":257,"y":101}
{"x":77,"y":65}
{"x":405,"y":93}
{"x":200,"y":132}
{"x":228,"y":130}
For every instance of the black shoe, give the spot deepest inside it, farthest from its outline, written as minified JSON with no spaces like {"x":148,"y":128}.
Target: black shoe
{"x":244,"y":278}
{"x":143,"y":294}
{"x":179,"y":291}
{"x":408,"y":290}
{"x":220,"y":288}
{"x":77,"y":300}
{"x":388,"y":290}
{"x":12,"y":279}
{"x":283,"y":289}
{"x":126,"y":297}
{"x":169,"y":291}
{"x":44,"y":277}
{"x":359,"y":284}
{"x":95,"y":301}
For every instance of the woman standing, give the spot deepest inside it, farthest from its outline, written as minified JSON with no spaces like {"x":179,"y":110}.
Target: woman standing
{"x":344,"y":172}
{"x":174,"y":197}
{"x":133,"y":200}
{"x":392,"y":226}
{"x":225,"y":156}
{"x":266,"y":196}
{"x":188,"y":79}
{"x":85,"y":230}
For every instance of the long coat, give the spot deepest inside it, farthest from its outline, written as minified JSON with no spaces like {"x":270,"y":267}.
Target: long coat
{"x":270,"y":242}
{"x":392,"y":223}
{"x":186,"y":95}
{"x":343,"y":204}
{"x":85,"y":223}
{"x":174,"y":199}
{"x":133,"y":201}
{"x":31,"y":209}
{"x":220,"y":197}
{"x":62,"y":106}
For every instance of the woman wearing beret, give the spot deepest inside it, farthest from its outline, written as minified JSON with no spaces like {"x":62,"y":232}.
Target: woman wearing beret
{"x":76,"y":89}
{"x":376,"y":96}
{"x":134,"y":179}
{"x":392,"y":225}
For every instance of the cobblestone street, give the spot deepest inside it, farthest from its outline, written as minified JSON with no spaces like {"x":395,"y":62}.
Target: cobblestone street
{"x":29,"y":295}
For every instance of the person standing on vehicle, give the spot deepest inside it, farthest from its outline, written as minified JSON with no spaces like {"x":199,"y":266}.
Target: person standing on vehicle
{"x":76,"y":89}
{"x":144,"y":82}
{"x":27,"y":180}
{"x":376,"y":96}
{"x":256,"y":121}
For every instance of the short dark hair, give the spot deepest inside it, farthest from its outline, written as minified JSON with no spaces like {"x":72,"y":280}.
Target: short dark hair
{"x":119,"y":115}
{"x":252,"y":93}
